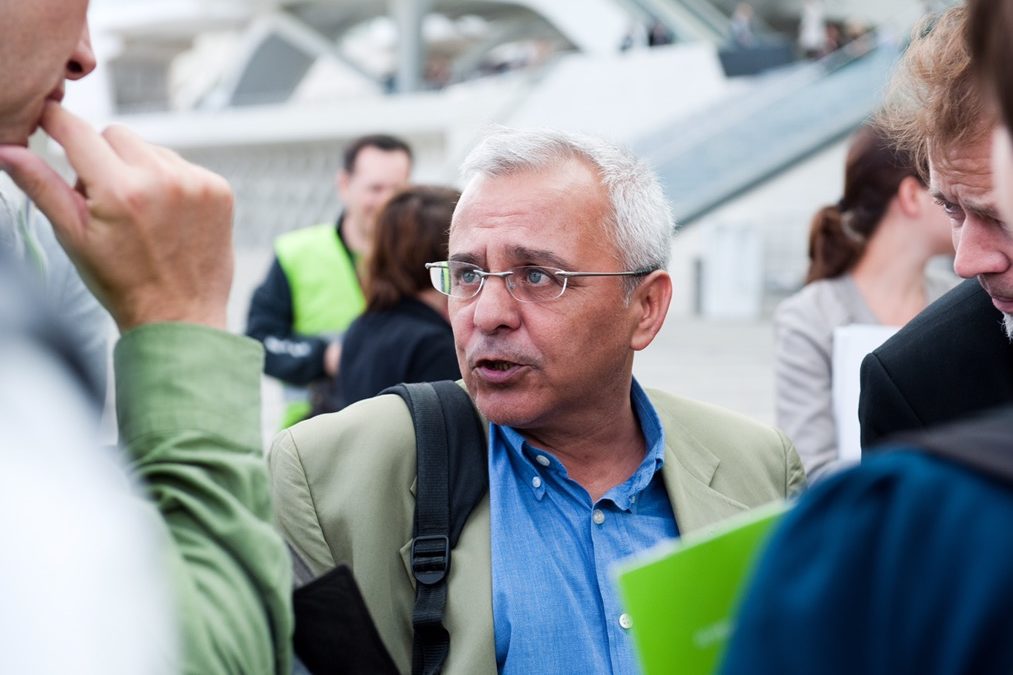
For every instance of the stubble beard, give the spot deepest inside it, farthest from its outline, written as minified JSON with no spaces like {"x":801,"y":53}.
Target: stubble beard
{"x":1007,"y":324}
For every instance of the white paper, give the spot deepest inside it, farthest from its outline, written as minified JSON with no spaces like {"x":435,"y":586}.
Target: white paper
{"x":851,"y":345}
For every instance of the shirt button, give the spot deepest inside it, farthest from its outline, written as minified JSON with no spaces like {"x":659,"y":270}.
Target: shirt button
{"x":598,"y":516}
{"x":625,"y":621}
{"x":542,"y":459}
{"x":536,"y":482}
{"x":633,"y":499}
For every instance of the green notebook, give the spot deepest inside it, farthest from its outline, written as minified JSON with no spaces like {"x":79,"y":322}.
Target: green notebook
{"x":682,"y":595}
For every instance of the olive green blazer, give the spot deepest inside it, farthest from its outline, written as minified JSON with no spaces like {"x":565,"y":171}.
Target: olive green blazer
{"x":343,"y":488}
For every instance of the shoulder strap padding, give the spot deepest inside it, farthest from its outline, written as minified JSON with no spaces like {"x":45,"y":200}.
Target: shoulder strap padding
{"x":452,"y":477}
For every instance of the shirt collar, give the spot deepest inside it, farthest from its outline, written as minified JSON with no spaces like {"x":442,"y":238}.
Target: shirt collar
{"x":540,"y":462}
{"x":339,"y":227}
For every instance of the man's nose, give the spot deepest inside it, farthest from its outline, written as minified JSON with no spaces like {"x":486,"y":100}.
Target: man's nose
{"x":82,"y":59}
{"x":981,"y":248}
{"x":494,"y":307}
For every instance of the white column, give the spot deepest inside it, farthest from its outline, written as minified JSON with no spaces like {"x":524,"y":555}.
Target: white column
{"x":407,"y":16}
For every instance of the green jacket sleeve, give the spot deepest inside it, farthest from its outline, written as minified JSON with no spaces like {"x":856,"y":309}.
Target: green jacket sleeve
{"x":188,"y":405}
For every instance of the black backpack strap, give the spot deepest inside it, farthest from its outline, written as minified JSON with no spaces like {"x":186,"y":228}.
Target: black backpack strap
{"x":451,"y":480}
{"x":983,"y":443}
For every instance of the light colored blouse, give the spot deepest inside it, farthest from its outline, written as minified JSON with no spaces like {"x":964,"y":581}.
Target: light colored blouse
{"x":804,"y":325}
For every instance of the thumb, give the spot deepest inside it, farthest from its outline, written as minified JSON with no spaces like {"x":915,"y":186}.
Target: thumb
{"x":65,"y":208}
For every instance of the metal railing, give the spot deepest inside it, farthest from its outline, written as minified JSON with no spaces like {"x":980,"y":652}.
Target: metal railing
{"x":774,"y":122}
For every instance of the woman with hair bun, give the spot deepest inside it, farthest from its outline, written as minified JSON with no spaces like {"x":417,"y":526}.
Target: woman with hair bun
{"x":868,"y":255}
{"x":404,"y":334}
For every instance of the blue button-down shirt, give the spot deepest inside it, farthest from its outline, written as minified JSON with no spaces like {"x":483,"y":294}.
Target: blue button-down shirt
{"x":555,"y":605}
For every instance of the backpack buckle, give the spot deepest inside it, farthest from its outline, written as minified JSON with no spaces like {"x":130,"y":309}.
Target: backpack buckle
{"x":430,"y":558}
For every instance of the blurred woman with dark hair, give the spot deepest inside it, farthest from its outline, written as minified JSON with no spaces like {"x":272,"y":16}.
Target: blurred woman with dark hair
{"x":404,"y":335}
{"x":868,"y":255}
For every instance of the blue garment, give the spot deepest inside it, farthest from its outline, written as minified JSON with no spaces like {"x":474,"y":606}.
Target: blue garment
{"x":556,"y":608}
{"x":901,"y":565}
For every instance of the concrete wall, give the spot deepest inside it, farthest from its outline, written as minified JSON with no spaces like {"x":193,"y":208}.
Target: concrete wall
{"x":779,"y":212}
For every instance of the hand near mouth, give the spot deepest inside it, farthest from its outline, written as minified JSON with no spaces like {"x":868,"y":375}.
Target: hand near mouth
{"x":150,"y":233}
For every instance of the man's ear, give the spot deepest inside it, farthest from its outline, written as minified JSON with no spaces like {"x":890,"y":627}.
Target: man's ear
{"x":909,"y":197}
{"x":649,"y":304}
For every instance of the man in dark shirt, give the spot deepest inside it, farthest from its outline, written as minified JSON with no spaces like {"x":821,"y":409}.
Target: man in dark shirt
{"x":311,"y":293}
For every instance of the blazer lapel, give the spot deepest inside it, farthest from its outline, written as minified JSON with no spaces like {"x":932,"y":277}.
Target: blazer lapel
{"x":688,"y":474}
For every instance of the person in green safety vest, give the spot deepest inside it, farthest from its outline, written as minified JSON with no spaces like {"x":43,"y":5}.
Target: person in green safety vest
{"x":312,"y":293}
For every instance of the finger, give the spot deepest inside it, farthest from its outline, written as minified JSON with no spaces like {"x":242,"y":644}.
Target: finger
{"x":129,"y":146}
{"x":64,"y":206}
{"x":171,"y":157}
{"x":88,"y":153}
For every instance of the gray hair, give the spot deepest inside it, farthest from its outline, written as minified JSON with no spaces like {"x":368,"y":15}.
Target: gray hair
{"x":639,"y":223}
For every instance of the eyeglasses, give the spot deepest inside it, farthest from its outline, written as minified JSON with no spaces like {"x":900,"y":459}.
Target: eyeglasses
{"x":525,"y":283}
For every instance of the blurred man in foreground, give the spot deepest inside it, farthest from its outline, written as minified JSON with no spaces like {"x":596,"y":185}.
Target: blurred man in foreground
{"x":24,"y":233}
{"x":99,"y":581}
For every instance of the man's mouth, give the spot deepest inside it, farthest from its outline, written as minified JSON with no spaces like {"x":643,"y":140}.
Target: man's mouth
{"x":497,"y":365}
{"x":497,"y":371}
{"x":1001,"y":301}
{"x":1003,"y":304}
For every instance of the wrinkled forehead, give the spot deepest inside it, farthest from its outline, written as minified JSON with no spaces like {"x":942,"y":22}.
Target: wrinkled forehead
{"x":561,"y":208}
{"x":962,"y":172}
{"x":569,"y":189}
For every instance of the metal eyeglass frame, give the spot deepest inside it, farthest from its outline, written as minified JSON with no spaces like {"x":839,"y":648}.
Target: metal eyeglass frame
{"x":434,"y":278}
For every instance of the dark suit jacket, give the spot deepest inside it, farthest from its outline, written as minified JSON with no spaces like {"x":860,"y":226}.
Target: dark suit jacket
{"x":951,"y":360}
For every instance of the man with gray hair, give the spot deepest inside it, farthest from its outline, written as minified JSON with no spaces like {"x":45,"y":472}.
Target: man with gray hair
{"x":556,"y":277}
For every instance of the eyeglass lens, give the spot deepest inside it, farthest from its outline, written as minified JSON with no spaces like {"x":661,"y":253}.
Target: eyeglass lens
{"x":525,"y":283}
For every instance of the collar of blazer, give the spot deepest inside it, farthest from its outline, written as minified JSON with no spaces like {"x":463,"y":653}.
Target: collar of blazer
{"x":688,"y":472}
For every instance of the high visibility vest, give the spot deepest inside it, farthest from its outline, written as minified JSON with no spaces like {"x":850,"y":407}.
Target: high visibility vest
{"x":326,"y":296}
